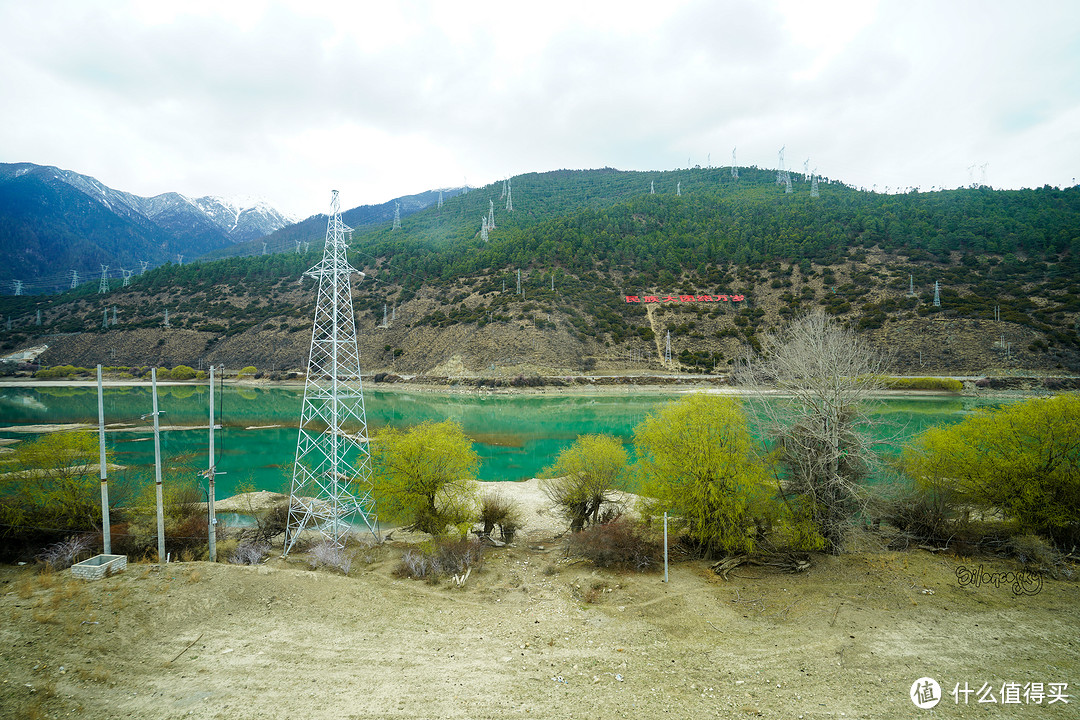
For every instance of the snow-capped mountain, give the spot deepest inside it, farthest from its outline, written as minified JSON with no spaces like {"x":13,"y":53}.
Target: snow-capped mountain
{"x":241,"y":218}
{"x":244,"y":218}
{"x":53,"y":219}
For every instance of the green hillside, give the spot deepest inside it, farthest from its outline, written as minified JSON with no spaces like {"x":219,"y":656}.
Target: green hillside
{"x":1008,"y":263}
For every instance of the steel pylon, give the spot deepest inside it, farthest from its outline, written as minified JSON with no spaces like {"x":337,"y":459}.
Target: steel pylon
{"x":331,"y":483}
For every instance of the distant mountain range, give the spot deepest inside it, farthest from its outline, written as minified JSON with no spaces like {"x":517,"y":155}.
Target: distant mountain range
{"x":55,"y":221}
{"x":361,"y":218}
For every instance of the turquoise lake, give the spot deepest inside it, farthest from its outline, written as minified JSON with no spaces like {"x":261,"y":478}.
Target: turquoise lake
{"x":516,"y":436}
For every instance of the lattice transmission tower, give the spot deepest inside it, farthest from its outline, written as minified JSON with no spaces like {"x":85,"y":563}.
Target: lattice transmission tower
{"x":734,"y":166}
{"x":331,"y":484}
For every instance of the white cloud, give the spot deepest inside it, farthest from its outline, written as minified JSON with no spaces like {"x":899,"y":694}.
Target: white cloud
{"x":287,"y":100}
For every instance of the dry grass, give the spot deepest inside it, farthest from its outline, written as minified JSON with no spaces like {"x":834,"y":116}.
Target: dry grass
{"x":34,"y":709}
{"x":70,"y":596}
{"x":46,"y":578}
{"x":25,"y":587}
{"x":45,"y":617}
{"x":96,"y":674}
{"x":120,"y":596}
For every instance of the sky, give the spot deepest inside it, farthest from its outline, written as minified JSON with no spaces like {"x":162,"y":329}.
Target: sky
{"x":288,"y":100}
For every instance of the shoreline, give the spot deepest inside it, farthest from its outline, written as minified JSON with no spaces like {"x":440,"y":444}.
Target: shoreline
{"x":608,"y":386}
{"x":566,"y":385}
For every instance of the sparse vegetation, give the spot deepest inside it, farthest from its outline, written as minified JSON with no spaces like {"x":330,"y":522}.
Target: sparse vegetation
{"x":328,"y":554}
{"x":62,"y":555}
{"x":436,"y":559}
{"x":623,"y":544}
{"x":823,"y":433}
{"x":249,"y":552}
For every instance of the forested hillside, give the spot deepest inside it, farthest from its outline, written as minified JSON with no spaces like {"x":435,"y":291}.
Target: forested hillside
{"x":610,"y":262}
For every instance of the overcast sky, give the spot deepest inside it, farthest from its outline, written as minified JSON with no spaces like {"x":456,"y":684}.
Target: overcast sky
{"x":286,"y":100}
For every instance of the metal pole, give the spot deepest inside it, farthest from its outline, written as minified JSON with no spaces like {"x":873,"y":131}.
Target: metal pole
{"x":106,"y":533}
{"x":665,"y":546}
{"x":157,"y":473}
{"x":212,"y":518}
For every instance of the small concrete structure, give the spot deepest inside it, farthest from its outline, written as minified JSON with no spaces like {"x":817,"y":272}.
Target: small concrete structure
{"x":99,"y":566}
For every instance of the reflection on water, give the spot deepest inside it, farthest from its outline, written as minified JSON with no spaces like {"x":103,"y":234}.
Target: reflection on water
{"x":515,"y":436}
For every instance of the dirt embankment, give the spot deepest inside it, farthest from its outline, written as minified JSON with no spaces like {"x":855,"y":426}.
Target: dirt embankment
{"x":531,"y":634}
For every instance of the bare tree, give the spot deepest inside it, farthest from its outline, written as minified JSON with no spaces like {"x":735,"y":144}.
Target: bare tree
{"x":823,"y":377}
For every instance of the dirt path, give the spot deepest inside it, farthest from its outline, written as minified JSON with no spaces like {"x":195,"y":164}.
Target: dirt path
{"x":650,"y":311}
{"x":532,"y":634}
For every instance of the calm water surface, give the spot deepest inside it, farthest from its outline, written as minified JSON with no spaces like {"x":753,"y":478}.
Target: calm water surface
{"x":515,"y":436}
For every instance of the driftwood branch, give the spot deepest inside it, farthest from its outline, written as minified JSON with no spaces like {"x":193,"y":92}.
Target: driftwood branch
{"x":788,"y":562}
{"x":185,"y":649}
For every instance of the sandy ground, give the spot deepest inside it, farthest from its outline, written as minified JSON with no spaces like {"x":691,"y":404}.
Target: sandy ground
{"x":531,"y":634}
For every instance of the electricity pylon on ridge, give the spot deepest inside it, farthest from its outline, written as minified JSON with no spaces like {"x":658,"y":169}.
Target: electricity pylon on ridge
{"x":331,"y":483}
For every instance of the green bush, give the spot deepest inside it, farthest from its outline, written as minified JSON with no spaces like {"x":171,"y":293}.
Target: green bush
{"x":183,"y":372}
{"x":248,"y":371}
{"x":60,"y":371}
{"x":425,"y":476}
{"x":924,"y":383}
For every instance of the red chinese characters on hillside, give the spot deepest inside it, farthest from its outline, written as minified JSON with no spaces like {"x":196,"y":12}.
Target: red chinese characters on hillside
{"x":683,"y":298}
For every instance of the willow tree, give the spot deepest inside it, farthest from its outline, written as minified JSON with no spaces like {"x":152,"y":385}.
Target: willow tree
{"x":815,"y":380}
{"x":1022,"y":461}
{"x":51,"y":485}
{"x":582,"y":479}
{"x":426,"y":476}
{"x":696,"y":460}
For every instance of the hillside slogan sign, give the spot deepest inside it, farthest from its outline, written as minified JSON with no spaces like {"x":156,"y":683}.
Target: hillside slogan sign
{"x":683,"y":298}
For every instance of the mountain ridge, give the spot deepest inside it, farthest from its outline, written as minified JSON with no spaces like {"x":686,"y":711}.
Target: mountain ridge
{"x":545,"y":290}
{"x":40,"y":206}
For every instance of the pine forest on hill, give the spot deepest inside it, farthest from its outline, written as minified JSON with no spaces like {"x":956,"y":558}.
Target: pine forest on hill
{"x":1008,"y":264}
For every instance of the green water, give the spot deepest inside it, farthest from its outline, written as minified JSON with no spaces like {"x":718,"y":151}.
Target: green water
{"x":515,"y":436}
